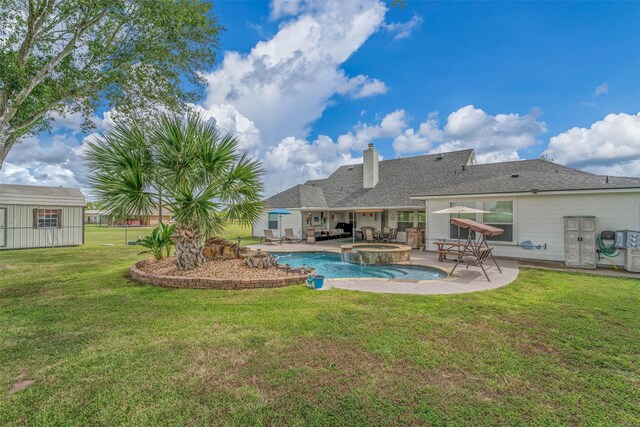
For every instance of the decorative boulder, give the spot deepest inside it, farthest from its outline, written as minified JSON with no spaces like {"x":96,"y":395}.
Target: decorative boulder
{"x":259,"y":259}
{"x":217,"y":247}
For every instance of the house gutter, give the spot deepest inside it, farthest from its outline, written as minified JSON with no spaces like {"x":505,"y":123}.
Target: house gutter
{"x":527,"y":193}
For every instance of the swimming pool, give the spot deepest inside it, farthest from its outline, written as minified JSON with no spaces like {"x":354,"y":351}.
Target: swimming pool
{"x":331,"y":266}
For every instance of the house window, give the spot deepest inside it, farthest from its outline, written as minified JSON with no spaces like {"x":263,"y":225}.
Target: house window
{"x":405,"y":220}
{"x":47,"y":218}
{"x":422,"y":219}
{"x":456,"y":232}
{"x":501,"y":216}
{"x":273,"y":221}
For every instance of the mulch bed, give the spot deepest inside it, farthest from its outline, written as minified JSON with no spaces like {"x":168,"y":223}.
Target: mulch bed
{"x":219,"y":269}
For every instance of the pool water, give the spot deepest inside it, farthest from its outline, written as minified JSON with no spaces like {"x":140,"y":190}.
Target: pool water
{"x":331,"y":266}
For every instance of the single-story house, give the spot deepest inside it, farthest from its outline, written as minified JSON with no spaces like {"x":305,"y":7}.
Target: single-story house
{"x":529,"y":199}
{"x":95,"y":216}
{"x":40,"y":217}
{"x":149,"y":219}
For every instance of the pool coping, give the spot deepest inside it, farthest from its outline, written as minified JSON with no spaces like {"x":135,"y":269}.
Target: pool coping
{"x":462,"y":281}
{"x":448,"y":276}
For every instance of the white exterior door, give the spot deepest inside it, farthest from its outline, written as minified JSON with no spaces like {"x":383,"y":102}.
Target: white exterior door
{"x":3,"y":227}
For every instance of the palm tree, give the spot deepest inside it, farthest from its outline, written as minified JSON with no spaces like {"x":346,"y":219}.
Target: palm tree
{"x":183,"y":163}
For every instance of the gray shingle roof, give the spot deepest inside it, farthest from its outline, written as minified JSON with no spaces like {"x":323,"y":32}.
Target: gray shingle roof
{"x":399,"y":179}
{"x":40,"y":196}
{"x":429,"y":176}
{"x":524,"y":176}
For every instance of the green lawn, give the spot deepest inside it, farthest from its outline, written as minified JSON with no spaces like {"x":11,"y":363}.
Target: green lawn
{"x":550,"y":349}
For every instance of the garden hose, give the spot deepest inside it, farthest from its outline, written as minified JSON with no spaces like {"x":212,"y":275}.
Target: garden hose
{"x":607,"y":251}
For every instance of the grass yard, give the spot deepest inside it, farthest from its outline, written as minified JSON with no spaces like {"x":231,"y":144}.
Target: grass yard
{"x":550,"y":349}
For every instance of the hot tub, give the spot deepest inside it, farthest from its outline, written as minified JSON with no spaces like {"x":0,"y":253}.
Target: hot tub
{"x":375,"y":253}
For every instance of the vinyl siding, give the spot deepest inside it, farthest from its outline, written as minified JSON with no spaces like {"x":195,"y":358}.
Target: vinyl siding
{"x":20,"y":233}
{"x":540,"y":219}
{"x":288,"y":221}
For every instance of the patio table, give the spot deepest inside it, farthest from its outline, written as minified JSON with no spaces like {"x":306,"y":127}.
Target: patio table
{"x":445,"y":248}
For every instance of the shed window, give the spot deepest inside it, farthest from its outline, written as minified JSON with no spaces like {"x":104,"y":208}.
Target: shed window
{"x":47,"y":218}
{"x":273,"y":221}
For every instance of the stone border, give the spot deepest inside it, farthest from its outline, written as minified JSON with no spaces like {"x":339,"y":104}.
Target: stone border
{"x":185,"y":282}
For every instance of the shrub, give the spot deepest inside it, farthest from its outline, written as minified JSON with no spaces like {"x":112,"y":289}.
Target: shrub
{"x":159,"y":241}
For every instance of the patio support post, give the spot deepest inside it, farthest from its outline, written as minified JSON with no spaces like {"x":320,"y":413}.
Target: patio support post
{"x":353,"y":228}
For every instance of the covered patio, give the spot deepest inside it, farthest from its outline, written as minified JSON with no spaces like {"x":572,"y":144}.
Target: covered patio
{"x":349,"y":223}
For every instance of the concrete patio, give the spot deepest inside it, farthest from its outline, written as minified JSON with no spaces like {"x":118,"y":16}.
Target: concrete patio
{"x":463,"y":280}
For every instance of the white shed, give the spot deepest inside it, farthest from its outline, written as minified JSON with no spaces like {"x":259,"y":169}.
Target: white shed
{"x":40,"y":217}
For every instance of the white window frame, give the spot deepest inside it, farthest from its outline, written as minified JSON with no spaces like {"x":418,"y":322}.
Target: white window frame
{"x":479,"y":204}
{"x":41,"y":218}
{"x":269,"y":221}
{"x":514,"y":238}
{"x":413,"y":220}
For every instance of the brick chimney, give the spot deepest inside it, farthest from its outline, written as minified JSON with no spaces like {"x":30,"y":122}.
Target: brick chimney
{"x":370,"y":167}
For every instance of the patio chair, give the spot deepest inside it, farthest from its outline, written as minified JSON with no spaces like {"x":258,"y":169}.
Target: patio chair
{"x":392,"y":236}
{"x":289,"y":236}
{"x":367,"y":234}
{"x":386,"y":231}
{"x":269,"y":238}
{"x":476,"y":260}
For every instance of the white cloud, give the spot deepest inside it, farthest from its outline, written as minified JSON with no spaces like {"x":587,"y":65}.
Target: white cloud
{"x":495,"y":138}
{"x":421,"y":140}
{"x":228,"y":119}
{"x":602,"y":89}
{"x":369,"y":87}
{"x":304,"y":160}
{"x":404,"y":29}
{"x":282,"y":8}
{"x":55,"y":161}
{"x":609,"y":146}
{"x":285,"y":83}
{"x":391,"y":126}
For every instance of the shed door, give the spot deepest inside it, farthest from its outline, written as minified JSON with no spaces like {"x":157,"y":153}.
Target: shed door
{"x":3,"y":227}
{"x":588,"y":242}
{"x":571,"y":242}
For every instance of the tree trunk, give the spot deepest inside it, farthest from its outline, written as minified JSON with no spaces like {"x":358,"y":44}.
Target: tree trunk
{"x":188,"y":245}
{"x":5,"y":142}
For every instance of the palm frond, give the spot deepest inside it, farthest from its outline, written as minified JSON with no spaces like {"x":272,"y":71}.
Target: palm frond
{"x":201,"y":175}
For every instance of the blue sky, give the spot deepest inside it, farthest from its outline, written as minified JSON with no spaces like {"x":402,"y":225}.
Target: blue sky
{"x":306,"y":85}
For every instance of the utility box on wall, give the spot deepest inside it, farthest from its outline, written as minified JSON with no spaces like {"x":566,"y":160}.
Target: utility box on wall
{"x":580,"y":241}
{"x":632,"y":260}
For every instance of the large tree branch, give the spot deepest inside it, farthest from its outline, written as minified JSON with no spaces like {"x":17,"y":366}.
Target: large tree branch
{"x":37,"y":17}
{"x":46,"y":69}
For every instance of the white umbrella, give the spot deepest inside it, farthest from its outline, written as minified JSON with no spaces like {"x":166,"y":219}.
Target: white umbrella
{"x":460,"y":210}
